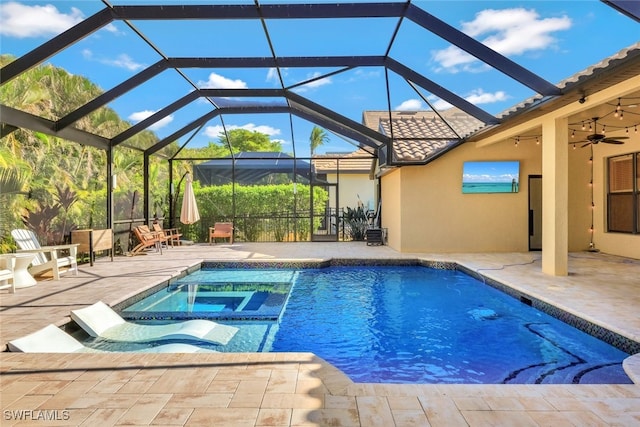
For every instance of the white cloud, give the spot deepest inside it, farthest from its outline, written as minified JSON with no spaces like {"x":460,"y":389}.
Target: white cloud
{"x":410,"y":105}
{"x":441,"y":104}
{"x":476,"y":97}
{"x":509,"y":32}
{"x":216,"y":81}
{"x":364,"y":74}
{"x":215,"y":131}
{"x":314,"y":84}
{"x":480,"y":97}
{"x":113,"y":29}
{"x":451,"y":58}
{"x":121,"y":61}
{"x":22,"y":21}
{"x":141,"y":115}
{"x":319,"y":82}
{"x":272,"y":75}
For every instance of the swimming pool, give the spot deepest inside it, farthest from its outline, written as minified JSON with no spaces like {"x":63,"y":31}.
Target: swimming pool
{"x":414,"y":324}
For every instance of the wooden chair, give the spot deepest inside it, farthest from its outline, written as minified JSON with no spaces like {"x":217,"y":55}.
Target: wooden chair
{"x":159,"y":235}
{"x":46,"y":257}
{"x":222,"y":230}
{"x":147,"y":240}
{"x":172,"y":234}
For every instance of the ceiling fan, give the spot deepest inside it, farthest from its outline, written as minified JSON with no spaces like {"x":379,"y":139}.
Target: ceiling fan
{"x":597,"y":138}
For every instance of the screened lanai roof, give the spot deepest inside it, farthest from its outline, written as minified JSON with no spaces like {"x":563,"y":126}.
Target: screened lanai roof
{"x":190,"y":71}
{"x":249,"y":168}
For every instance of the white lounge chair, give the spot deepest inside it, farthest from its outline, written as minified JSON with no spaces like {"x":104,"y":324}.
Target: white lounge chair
{"x":7,"y":265}
{"x":100,"y":320}
{"x":46,"y":257}
{"x":52,"y":339}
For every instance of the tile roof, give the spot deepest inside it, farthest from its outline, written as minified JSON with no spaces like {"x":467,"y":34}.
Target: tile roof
{"x":359,"y":161}
{"x":418,"y":136}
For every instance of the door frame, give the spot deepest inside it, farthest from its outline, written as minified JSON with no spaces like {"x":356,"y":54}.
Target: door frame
{"x":330,"y":215}
{"x":530,"y":212}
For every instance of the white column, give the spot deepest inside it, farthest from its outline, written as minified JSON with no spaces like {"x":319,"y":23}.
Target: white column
{"x":555,"y":196}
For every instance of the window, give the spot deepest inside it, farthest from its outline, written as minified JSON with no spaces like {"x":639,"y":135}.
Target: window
{"x":623,"y":197}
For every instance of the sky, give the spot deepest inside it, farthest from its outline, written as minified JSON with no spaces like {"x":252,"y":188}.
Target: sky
{"x":487,"y":171}
{"x":554,"y":39}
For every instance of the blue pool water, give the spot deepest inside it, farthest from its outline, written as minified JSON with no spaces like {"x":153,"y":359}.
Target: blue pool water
{"x":223,"y":296}
{"x":417,"y":325}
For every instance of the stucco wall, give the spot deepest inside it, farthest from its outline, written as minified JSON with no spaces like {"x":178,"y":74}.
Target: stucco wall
{"x":622,"y":244}
{"x":354,"y":185}
{"x":579,"y":220}
{"x":424,"y":209}
{"x":391,"y":188}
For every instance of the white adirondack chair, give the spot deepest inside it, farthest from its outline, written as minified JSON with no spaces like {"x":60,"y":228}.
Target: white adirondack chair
{"x":46,"y":257}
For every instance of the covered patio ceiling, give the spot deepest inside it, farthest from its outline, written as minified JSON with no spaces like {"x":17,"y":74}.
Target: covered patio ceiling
{"x":389,"y":30}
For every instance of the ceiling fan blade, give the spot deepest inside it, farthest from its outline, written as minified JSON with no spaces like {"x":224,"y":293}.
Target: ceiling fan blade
{"x":585,"y":145}
{"x":613,"y":138}
{"x":612,"y":141}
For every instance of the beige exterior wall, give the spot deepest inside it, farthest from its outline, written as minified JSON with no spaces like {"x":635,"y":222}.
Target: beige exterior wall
{"x":436,"y":217}
{"x":353,"y":185}
{"x":424,"y":209}
{"x":391,"y":191}
{"x":622,"y":244}
{"x":579,"y":220}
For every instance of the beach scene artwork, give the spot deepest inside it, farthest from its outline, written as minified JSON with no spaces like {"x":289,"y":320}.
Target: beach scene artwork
{"x":491,"y":177}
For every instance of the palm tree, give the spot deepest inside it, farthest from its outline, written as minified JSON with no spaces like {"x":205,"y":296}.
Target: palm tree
{"x":318,"y":137}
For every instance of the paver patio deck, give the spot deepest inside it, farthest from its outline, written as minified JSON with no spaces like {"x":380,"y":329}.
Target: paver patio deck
{"x":298,"y":389}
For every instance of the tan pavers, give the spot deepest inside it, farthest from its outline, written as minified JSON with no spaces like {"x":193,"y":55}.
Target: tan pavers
{"x":299,"y":389}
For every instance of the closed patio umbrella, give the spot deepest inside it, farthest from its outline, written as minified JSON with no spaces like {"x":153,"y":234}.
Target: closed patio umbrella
{"x":189,"y":213}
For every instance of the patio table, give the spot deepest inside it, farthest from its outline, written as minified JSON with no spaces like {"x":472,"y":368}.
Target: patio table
{"x":21,"y":276}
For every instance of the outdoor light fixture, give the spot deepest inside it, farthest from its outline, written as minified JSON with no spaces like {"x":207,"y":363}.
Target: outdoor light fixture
{"x":597,"y":134}
{"x":518,"y":139}
{"x":592,"y":246}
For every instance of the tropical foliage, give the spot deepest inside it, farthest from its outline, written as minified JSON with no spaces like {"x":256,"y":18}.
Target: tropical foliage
{"x":318,"y":137}
{"x":53,"y":186}
{"x":253,"y":203}
{"x":356,"y":222}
